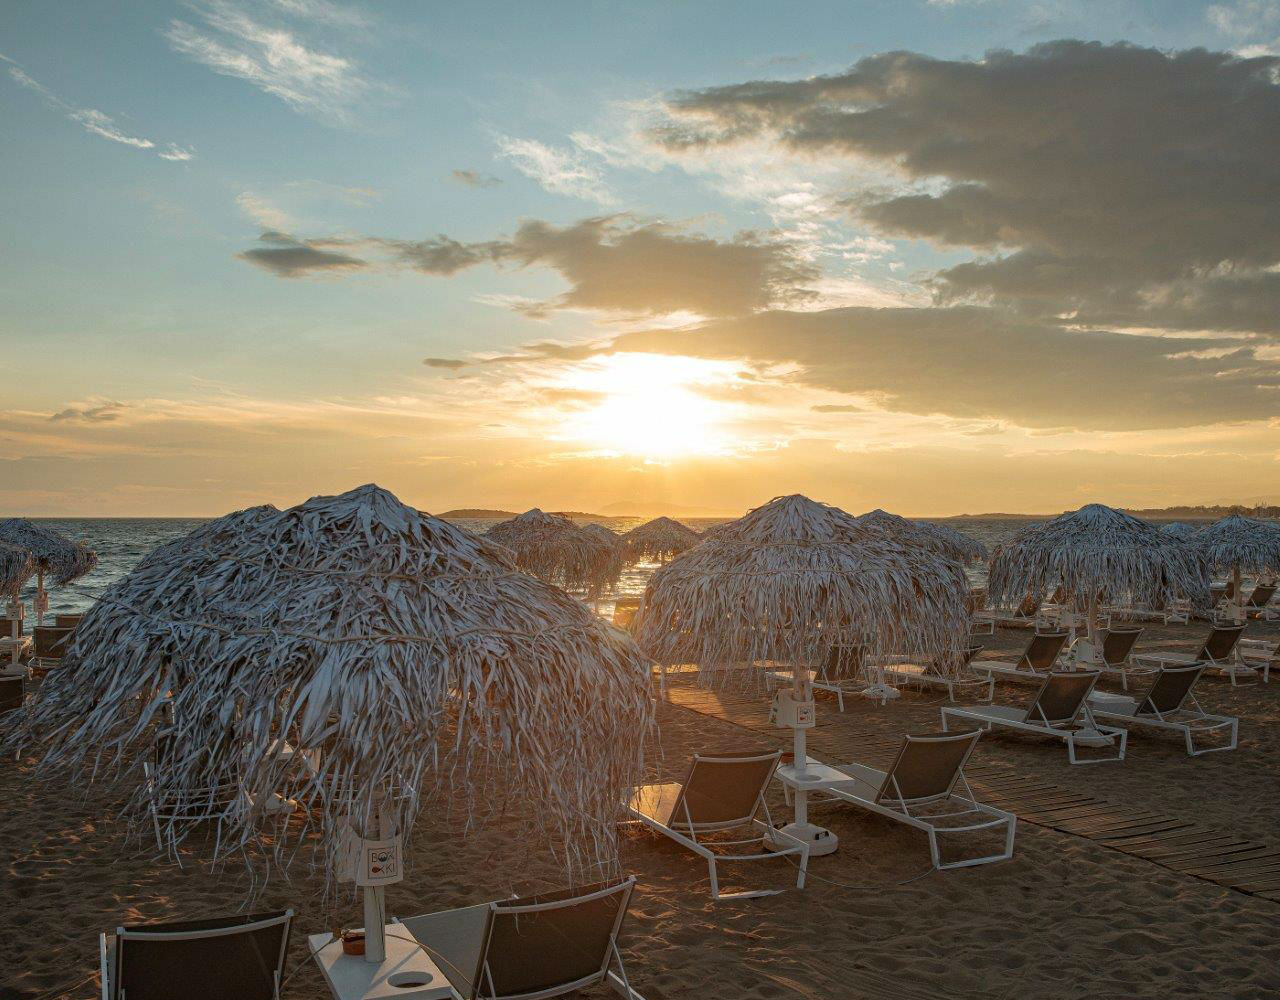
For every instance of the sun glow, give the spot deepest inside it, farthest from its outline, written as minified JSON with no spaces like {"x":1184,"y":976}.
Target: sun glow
{"x":653,"y":406}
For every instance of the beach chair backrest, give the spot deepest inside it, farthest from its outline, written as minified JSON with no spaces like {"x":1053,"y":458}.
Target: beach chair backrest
{"x":723,"y":790}
{"x":1262,"y":595}
{"x":1170,"y":689}
{"x":551,"y":944}
{"x":927,"y":767}
{"x":1061,"y":695}
{"x":1029,"y":606}
{"x":67,"y":621}
{"x":1222,"y":640}
{"x":12,"y":692}
{"x":225,"y":958}
{"x":937,"y":667}
{"x":1119,"y":643}
{"x":50,"y":641}
{"x":1043,"y":649}
{"x":843,"y":662}
{"x":10,"y":628}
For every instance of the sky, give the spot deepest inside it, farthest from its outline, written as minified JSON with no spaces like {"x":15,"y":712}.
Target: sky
{"x":935,"y":257}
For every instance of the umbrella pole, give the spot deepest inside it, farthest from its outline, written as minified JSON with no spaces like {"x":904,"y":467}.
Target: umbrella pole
{"x":40,"y":598}
{"x":820,"y":840}
{"x":1237,"y":598}
{"x":375,"y":906}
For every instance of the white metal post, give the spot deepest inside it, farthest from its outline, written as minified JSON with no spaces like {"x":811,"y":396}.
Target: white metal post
{"x":375,"y":906}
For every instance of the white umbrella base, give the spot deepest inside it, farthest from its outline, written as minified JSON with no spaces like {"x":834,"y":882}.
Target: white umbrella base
{"x":821,"y":841}
{"x":880,"y":692}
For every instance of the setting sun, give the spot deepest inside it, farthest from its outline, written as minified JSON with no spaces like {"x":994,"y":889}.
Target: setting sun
{"x":653,"y":406}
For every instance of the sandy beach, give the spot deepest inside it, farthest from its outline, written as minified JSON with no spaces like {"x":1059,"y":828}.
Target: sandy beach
{"x":1067,"y":917}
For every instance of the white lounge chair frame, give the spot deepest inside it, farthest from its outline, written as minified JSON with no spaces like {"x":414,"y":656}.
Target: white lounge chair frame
{"x":1035,"y":720}
{"x":685,"y":830}
{"x":922,"y":675}
{"x":107,"y":942}
{"x":217,"y":804}
{"x":888,"y":800}
{"x":1188,"y":718}
{"x":1016,"y":671}
{"x":1231,"y":664}
{"x":617,"y":980}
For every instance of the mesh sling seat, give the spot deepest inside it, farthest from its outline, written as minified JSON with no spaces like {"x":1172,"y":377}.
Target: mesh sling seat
{"x":934,"y":674}
{"x":1057,"y":711}
{"x":1170,"y":705}
{"x":226,"y":958}
{"x":1259,"y":603}
{"x":1035,"y":663}
{"x":1219,"y":653}
{"x":532,"y":947}
{"x":49,"y":643}
{"x":1116,"y":652}
{"x":925,"y":778}
{"x":721,"y":792}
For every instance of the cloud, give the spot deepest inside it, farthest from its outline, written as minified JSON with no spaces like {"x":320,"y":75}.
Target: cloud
{"x":287,"y":257}
{"x":472,"y":178}
{"x":560,"y":171}
{"x":1105,"y":183}
{"x":273,"y":58}
{"x":95,"y":122}
{"x":95,"y":412}
{"x":981,"y":363}
{"x":836,"y":408}
{"x":451,"y":364}
{"x":323,"y":12}
{"x":617,"y":264}
{"x":263,"y":212}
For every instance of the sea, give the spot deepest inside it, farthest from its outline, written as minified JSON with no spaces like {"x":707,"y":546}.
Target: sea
{"x":122,"y":542}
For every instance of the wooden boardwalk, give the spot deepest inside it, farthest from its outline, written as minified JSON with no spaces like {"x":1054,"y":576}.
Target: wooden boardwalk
{"x":1178,"y":844}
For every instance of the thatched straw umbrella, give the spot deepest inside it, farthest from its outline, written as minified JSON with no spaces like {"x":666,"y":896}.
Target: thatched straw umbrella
{"x":554,"y":549}
{"x":658,"y":540}
{"x":939,"y":538}
{"x":411,"y":653}
{"x":1237,"y":544}
{"x":612,"y":539}
{"x":788,"y":582}
{"x":16,"y":568}
{"x":1097,"y":549}
{"x":54,"y":554}
{"x":1179,"y":530}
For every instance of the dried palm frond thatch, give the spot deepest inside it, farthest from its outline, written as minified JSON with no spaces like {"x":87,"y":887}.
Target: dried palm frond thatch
{"x":55,"y":555}
{"x":16,"y":568}
{"x":658,"y":540}
{"x":412,"y":654}
{"x":554,"y":549}
{"x":790,"y":580}
{"x":1239,"y":543}
{"x":1094,"y":550}
{"x":940,"y":538}
{"x":1180,"y":530}
{"x":612,"y":539}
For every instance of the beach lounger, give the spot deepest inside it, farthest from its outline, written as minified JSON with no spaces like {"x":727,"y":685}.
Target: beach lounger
{"x":1026,"y":615}
{"x":1117,"y":652}
{"x":1036,"y":662}
{"x":1169,"y":704}
{"x":67,"y":621}
{"x":13,"y":691}
{"x":933,"y":675}
{"x":49,"y":644}
{"x":533,"y":947}
{"x":927,"y":776}
{"x":1056,"y":711}
{"x":722,"y":792}
{"x":216,"y":804}
{"x":1219,"y":652}
{"x":1259,"y":603}
{"x":224,"y":958}
{"x":842,"y":672}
